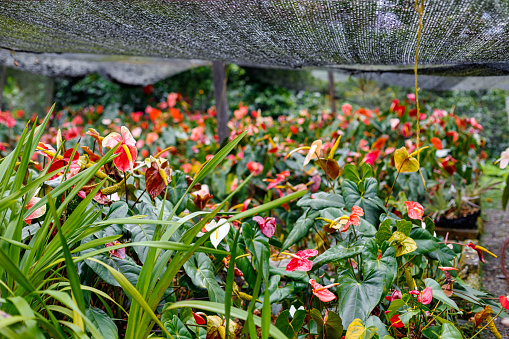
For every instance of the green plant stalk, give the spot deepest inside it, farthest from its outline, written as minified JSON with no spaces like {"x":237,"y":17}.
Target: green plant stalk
{"x":230,"y":275}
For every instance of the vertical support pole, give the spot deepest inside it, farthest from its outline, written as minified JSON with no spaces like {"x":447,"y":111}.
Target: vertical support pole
{"x":332,"y":93}
{"x":3,"y":78}
{"x":507,"y":106}
{"x":219,"y":77}
{"x":49,"y":88}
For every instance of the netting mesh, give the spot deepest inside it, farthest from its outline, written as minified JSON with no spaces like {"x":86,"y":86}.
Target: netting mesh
{"x":460,"y":37}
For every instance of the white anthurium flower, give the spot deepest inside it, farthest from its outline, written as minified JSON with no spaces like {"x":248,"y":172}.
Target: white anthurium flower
{"x":220,"y":233}
{"x":293,"y":310}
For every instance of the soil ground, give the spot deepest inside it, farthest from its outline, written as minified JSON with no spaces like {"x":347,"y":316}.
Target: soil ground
{"x":496,"y":230}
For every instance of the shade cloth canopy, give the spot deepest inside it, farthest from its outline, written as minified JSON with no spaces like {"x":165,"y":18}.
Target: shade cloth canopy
{"x":460,"y":38}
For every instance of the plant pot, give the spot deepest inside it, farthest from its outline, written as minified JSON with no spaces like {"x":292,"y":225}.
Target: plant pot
{"x":464,"y":227}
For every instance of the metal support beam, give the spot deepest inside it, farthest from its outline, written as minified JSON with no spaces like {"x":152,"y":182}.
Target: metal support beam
{"x":219,"y":76}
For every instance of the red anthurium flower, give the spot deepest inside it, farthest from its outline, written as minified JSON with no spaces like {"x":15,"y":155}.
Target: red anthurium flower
{"x":200,"y":318}
{"x":396,"y":321}
{"x":127,"y":150}
{"x":322,"y":292}
{"x":504,"y":302}
{"x":449,"y":164}
{"x":453,"y":134}
{"x":119,"y":252}
{"x":414,"y":210}
{"x":255,"y":167}
{"x":479,"y":250}
{"x":353,"y":219}
{"x":267,"y":225}
{"x":371,"y":157}
{"x":395,"y":295}
{"x":300,"y":261}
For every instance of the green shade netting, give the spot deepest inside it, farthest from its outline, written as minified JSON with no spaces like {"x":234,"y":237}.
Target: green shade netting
{"x":459,"y":38}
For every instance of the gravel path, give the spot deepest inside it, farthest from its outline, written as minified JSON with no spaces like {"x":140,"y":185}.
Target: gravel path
{"x":496,"y":230}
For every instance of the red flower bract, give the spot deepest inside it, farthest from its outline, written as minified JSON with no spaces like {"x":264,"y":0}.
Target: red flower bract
{"x":300,"y":262}
{"x":396,"y":321}
{"x":504,"y":302}
{"x":267,"y":225}
{"x":127,"y":149}
{"x":479,"y":250}
{"x":119,"y":252}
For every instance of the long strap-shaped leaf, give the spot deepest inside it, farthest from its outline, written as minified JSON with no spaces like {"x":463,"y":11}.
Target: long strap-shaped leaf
{"x":72,"y":274}
{"x":131,"y":290}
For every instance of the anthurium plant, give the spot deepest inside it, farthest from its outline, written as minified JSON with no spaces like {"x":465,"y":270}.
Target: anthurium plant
{"x":147,"y":228}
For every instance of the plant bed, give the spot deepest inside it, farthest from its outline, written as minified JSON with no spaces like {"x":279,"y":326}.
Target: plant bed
{"x":460,"y":228}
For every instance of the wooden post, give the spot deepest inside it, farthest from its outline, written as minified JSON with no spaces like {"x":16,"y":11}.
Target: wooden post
{"x":332,"y":92}
{"x":219,"y":76}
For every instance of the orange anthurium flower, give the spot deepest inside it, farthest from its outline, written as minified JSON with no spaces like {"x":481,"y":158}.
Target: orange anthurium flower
{"x":479,"y":250}
{"x":437,"y":143}
{"x":354,"y":218}
{"x":127,"y":150}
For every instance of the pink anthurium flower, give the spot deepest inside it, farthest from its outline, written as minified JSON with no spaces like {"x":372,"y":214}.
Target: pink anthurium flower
{"x":267,"y":225}
{"x":414,"y":209}
{"x":395,"y":295}
{"x":255,"y":167}
{"x":424,"y":297}
{"x":300,"y":261}
{"x":38,"y":212}
{"x":127,"y":150}
{"x":119,"y":252}
{"x":322,"y":292}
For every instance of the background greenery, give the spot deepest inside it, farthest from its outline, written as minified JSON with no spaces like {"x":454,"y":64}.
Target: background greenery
{"x":273,"y":91}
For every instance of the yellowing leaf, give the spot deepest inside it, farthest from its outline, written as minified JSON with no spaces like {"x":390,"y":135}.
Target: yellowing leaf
{"x":356,"y":330}
{"x":404,"y":162}
{"x":402,"y":243}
